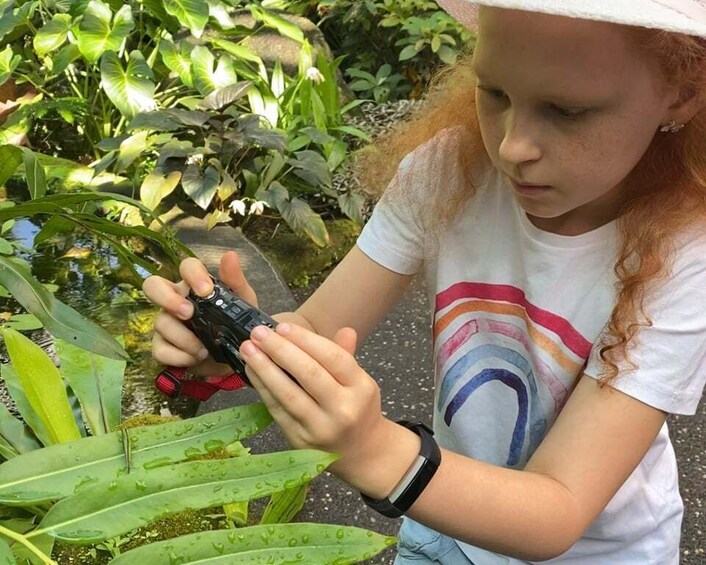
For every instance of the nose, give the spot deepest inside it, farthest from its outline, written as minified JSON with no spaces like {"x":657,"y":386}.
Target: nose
{"x":519,"y":144}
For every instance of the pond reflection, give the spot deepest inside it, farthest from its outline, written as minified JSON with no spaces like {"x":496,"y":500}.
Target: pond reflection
{"x":92,"y":280}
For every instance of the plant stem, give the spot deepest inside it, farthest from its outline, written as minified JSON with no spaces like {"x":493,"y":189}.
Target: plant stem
{"x":19,"y":538}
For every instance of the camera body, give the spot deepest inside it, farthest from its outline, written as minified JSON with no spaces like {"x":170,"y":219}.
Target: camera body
{"x":223,"y":321}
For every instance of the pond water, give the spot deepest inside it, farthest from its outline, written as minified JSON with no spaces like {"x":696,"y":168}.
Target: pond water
{"x":91,"y":280}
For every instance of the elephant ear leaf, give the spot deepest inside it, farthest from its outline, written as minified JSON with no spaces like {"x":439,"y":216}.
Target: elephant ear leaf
{"x":60,"y":320}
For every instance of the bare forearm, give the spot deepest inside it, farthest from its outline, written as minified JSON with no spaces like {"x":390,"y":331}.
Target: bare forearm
{"x":516,"y":513}
{"x":294,"y":318}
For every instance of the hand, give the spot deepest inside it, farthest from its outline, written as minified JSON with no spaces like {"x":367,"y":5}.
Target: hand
{"x":334,"y":405}
{"x":173,"y":343}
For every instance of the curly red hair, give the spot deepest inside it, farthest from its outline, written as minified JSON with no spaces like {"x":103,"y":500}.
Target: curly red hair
{"x":666,"y":190}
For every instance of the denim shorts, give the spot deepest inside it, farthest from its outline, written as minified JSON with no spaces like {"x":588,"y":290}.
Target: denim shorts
{"x":419,"y":545}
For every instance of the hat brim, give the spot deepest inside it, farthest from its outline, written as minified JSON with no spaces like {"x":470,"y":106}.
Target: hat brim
{"x":648,"y":14}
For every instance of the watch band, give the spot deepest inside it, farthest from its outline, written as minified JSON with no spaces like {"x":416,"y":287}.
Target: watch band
{"x":415,"y":480}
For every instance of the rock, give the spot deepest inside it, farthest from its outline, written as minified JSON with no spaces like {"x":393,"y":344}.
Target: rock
{"x":270,"y":45}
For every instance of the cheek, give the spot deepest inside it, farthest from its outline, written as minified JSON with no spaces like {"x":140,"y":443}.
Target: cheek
{"x":610,"y":152}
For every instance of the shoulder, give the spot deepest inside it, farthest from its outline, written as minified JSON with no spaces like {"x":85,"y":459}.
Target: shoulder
{"x":441,"y":150}
{"x":688,"y":266}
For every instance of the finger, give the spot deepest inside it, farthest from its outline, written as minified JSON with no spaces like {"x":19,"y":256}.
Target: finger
{"x":276,"y":410}
{"x":347,"y":338}
{"x":231,"y":273}
{"x":310,"y":375}
{"x":168,"y":354}
{"x":282,"y":390}
{"x":334,"y":359}
{"x":169,"y":296}
{"x":178,"y":335}
{"x":196,"y":275}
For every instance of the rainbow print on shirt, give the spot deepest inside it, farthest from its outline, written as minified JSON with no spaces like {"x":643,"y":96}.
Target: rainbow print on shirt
{"x":489,"y":333}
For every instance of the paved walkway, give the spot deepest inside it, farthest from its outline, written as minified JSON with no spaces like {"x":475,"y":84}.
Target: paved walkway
{"x":398,"y":355}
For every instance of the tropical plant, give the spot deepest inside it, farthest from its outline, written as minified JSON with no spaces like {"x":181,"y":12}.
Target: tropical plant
{"x":414,"y":37}
{"x":86,"y":490}
{"x":91,"y":67}
{"x":381,"y":87}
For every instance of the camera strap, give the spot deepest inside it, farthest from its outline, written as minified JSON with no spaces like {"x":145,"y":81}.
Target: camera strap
{"x":172,"y":383}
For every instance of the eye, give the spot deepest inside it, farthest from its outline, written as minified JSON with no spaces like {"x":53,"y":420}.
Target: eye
{"x":493,"y":92}
{"x":568,"y":113}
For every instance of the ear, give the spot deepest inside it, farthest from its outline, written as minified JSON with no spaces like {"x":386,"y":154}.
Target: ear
{"x":688,"y":102}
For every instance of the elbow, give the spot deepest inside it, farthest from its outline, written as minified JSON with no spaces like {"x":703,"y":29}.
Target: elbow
{"x":550,"y":549}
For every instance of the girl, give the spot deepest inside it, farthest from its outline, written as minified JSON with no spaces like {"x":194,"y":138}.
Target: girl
{"x":553,"y":190}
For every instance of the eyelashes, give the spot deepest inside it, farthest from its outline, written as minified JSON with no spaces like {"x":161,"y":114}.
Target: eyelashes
{"x":564,"y":112}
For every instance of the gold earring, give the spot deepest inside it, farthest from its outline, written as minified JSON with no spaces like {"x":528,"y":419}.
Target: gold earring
{"x":672,"y":127}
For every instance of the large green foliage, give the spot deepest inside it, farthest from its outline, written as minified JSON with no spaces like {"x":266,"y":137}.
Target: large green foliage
{"x":391,"y":47}
{"x":89,"y":69}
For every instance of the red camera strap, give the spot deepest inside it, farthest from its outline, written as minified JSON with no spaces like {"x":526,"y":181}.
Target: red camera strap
{"x":172,"y":383}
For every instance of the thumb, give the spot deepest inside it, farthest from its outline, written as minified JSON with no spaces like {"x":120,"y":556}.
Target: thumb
{"x":231,"y":273}
{"x":347,"y":338}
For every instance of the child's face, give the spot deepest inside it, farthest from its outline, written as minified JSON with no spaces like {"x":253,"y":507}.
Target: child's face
{"x":571,"y":104}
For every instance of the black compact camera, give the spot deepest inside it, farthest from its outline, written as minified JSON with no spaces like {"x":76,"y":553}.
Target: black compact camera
{"x":223,"y":321}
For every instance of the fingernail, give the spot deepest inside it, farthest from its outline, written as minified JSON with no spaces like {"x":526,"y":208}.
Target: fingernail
{"x":284,"y":328}
{"x":202,"y":354}
{"x":185,"y":310}
{"x":204,"y":288}
{"x":260,"y":333}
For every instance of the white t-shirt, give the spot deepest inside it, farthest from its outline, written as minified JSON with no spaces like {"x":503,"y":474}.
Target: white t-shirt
{"x":517,"y":311}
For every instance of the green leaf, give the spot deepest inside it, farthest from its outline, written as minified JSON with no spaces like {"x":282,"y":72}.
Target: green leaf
{"x":24,"y":322}
{"x":97,"y":383}
{"x":41,"y":382}
{"x":192,"y":14}
{"x":66,"y":55}
{"x":201,"y":188}
{"x":9,"y":19}
{"x":95,"y":33}
{"x":223,"y":97}
{"x":52,"y":35}
{"x":447,"y":55}
{"x":60,"y":470}
{"x":6,"y":557}
{"x":284,"y":506}
{"x":351,"y":204}
{"x":60,"y":320}
{"x":283,"y":26}
{"x":107,"y":510}
{"x":177,"y":61}
{"x":206,"y":78}
{"x":8,"y":63}
{"x":15,"y":432}
{"x":301,"y":218}
{"x":10,"y":159}
{"x":408,"y":53}
{"x":28,"y":414}
{"x":323,"y":544}
{"x":131,"y":89}
{"x":311,"y":167}
{"x":130,"y":149}
{"x":157,"y":186}
{"x":34,"y":172}
{"x":240,"y":52}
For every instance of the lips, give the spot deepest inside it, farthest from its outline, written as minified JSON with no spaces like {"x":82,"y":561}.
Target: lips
{"x":529,"y":189}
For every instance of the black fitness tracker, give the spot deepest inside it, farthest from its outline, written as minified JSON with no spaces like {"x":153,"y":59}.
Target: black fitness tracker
{"x":415,"y":479}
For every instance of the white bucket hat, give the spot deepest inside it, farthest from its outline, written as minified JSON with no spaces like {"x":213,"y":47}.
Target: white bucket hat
{"x":680,"y":16}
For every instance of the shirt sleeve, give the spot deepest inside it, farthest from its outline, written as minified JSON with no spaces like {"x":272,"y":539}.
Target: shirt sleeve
{"x":392,"y":236}
{"x":670,"y":354}
{"x":396,"y":235}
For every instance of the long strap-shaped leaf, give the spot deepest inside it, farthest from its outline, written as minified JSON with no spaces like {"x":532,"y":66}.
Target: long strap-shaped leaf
{"x":60,"y":320}
{"x":58,"y":471}
{"x":322,"y":544}
{"x":110,"y":509}
{"x":43,"y":386}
